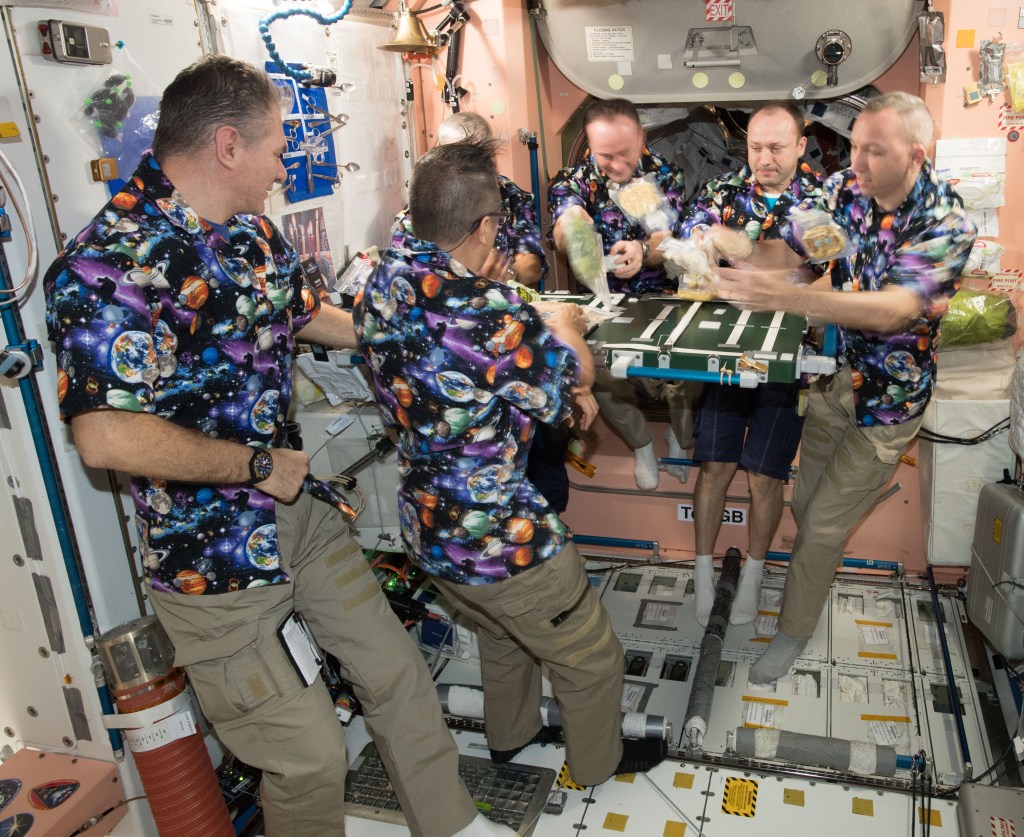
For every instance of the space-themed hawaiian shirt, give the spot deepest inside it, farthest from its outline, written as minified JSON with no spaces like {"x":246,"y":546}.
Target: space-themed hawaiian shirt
{"x":922,"y":245}
{"x":585,"y":185}
{"x":518,"y":232}
{"x":463,"y":368}
{"x":153,"y":310}
{"x":736,"y":200}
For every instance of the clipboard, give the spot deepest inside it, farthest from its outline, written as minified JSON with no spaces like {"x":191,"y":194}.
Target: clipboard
{"x":298,"y":643}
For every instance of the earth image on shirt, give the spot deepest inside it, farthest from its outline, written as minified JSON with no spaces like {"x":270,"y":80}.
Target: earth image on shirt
{"x":901,"y":366}
{"x":261,"y":547}
{"x":130,"y":355}
{"x":264,"y":413}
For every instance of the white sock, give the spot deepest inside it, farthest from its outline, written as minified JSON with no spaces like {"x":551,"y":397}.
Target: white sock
{"x":680,"y":472}
{"x":483,"y":827}
{"x":645,"y":467}
{"x":748,"y":593}
{"x":704,"y":587}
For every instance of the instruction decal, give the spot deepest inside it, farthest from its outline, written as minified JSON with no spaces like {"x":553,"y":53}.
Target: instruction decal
{"x":609,"y":43}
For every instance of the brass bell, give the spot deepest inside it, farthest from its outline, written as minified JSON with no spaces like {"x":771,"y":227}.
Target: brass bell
{"x":409,"y":36}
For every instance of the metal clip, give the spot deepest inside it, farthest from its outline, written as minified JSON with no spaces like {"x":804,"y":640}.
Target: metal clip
{"x":747,"y":361}
{"x":18,"y":360}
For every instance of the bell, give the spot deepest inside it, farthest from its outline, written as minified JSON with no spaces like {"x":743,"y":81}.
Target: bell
{"x":409,"y":35}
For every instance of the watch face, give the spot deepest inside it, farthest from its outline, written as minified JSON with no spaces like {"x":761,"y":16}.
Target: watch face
{"x":261,"y":466}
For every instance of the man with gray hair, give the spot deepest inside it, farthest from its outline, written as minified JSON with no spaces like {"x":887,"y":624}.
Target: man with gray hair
{"x":465,"y":370}
{"x":174,"y":315}
{"x":910,"y":237}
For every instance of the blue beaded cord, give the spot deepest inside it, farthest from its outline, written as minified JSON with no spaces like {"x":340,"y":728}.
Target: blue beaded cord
{"x":283,"y":14}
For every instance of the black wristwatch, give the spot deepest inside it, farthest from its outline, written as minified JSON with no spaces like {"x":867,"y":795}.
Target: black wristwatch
{"x":645,"y":248}
{"x":261,"y":465}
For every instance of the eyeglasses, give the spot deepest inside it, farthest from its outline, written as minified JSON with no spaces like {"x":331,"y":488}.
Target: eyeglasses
{"x":476,"y":225}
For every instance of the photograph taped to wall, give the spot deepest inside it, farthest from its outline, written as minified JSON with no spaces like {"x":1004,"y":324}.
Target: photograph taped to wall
{"x":306,"y":231}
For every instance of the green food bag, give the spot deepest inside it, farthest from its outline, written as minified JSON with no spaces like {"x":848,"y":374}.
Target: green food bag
{"x":975,"y":317}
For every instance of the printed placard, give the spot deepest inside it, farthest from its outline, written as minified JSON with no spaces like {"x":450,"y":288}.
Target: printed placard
{"x":609,"y":43}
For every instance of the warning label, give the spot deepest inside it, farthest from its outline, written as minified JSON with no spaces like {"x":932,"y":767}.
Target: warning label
{"x":740,"y":797}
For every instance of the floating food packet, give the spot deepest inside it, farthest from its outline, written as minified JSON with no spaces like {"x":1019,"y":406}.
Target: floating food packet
{"x":820,"y":237}
{"x":697,"y":259}
{"x":642,"y":202}
{"x":698,"y":279}
{"x":728,"y":244}
{"x":585,"y":251}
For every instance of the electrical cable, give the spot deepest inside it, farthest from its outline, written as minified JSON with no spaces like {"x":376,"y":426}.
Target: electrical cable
{"x":1004,"y":771}
{"x":942,"y":439}
{"x":995,"y":764}
{"x":381,"y":535}
{"x":926,"y":789}
{"x":400,"y":573}
{"x":96,"y":820}
{"x":1009,"y":607}
{"x":26,"y":224}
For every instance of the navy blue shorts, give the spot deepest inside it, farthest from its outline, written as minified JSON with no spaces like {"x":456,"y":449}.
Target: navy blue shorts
{"x":758,"y":428}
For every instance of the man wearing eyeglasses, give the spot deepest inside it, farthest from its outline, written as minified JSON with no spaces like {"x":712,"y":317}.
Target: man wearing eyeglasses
{"x":517,"y":257}
{"x":517,"y":254}
{"x":617,"y":154}
{"x":466,"y":370}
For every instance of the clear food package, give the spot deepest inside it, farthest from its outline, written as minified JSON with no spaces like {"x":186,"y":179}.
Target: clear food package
{"x":584,"y":249}
{"x":642,"y":201}
{"x":698,"y":278}
{"x":821,"y":238}
{"x":697,"y":258}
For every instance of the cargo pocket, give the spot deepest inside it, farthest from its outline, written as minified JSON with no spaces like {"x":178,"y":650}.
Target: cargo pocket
{"x":238,"y":685}
{"x":890,"y":441}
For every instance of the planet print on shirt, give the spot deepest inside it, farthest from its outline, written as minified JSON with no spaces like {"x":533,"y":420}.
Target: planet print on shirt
{"x":131,"y":354}
{"x":264,"y":412}
{"x":261,"y":548}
